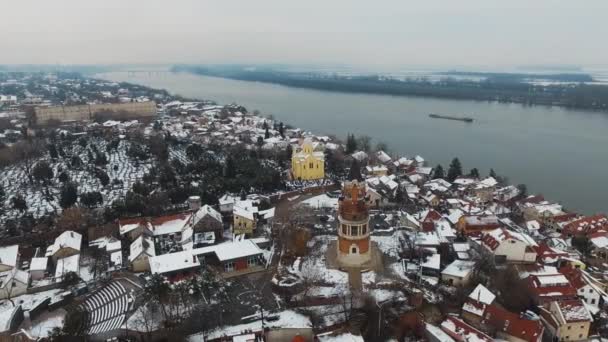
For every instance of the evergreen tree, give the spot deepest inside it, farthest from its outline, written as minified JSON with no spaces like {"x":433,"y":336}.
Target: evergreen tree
{"x":438,"y":172}
{"x":474,"y":173}
{"x":19,"y":203}
{"x":91,"y":199}
{"x":64,"y":177}
{"x":2,"y":195}
{"x":267,"y":133}
{"x":399,"y":195}
{"x":53,"y":151}
{"x":351,"y":143}
{"x":282,"y":130}
{"x":42,"y":172}
{"x":493,"y":174}
{"x":69,"y":195}
{"x":455,"y":170}
{"x":103,"y":177}
{"x":355,"y":171}
{"x":230,"y":168}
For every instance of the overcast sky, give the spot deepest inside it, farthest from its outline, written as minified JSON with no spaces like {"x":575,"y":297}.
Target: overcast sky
{"x":367,"y":33}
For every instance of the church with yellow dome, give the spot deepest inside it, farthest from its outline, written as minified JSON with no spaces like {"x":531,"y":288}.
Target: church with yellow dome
{"x":308,"y":161}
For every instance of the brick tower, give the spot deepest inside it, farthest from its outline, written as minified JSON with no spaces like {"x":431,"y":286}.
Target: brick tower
{"x":354,"y":249}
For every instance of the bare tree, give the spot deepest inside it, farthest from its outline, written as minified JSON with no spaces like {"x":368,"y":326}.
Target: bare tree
{"x":27,"y":152}
{"x":310,"y":276}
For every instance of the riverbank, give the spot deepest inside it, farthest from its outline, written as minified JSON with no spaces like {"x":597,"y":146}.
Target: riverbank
{"x":557,"y":152}
{"x":503,"y":88}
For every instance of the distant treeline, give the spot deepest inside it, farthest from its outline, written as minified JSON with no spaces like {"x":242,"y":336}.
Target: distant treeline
{"x":494,"y":88}
{"x":522,"y":78}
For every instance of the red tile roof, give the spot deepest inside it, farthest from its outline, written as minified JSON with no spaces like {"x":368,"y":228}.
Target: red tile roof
{"x":586,"y":225}
{"x":513,"y":324}
{"x":574,"y":275}
{"x":462,"y":332}
{"x":549,"y":292}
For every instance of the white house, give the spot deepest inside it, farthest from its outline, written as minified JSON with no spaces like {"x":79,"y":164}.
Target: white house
{"x":65,"y":245}
{"x":38,"y":268}
{"x":8,"y":257}
{"x":13,"y":283}
{"x":458,"y":273}
{"x":509,"y":246}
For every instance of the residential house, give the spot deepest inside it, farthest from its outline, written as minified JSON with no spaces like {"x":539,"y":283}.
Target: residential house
{"x":547,"y":287}
{"x":508,"y":246}
{"x":458,"y":273}
{"x":567,"y":320}
{"x":585,"y":226}
{"x":484,"y":190}
{"x":65,"y":245}
{"x":477,"y":224}
{"x":38,"y":268}
{"x":308,"y":161}
{"x":244,"y":220}
{"x":232,"y":258}
{"x":476,"y":304}
{"x":586,"y":286}
{"x":462,"y":332}
{"x":376,"y":170}
{"x":207,"y":219}
{"x":64,"y":266}
{"x":481,"y":311}
{"x":599,"y":242}
{"x":141,"y":250}
{"x":9,"y":257}
{"x":510,"y":326}
{"x":428,"y":220}
{"x":174,"y":266}
{"x":13,"y":283}
{"x":134,"y":227}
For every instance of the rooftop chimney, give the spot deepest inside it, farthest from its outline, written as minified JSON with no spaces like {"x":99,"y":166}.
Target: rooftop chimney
{"x":194,"y":202}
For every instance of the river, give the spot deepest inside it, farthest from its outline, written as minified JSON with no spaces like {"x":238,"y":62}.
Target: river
{"x":560,"y":153}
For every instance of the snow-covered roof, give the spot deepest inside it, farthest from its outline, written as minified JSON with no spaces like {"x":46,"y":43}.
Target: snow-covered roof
{"x":482,"y":295}
{"x":8,"y":255}
{"x":66,"y":265}
{"x":459,"y":268}
{"x":437,"y":334}
{"x":206,"y":210}
{"x":286,"y":319}
{"x":230,"y":250}
{"x":243,"y":212}
{"x":39,"y":264}
{"x":267,"y":214}
{"x":14,"y":275}
{"x":346,"y":337}
{"x":574,"y":311}
{"x":140,"y":246}
{"x":173,"y":262}
{"x":172,"y":225}
{"x":433,"y":262}
{"x":383,"y":157}
{"x":600,"y":240}
{"x":67,"y":239}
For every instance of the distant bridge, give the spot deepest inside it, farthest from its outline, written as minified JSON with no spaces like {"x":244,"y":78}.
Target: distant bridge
{"x":140,"y":72}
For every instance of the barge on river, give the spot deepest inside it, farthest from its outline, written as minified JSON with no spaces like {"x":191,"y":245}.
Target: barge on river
{"x":448,"y":117}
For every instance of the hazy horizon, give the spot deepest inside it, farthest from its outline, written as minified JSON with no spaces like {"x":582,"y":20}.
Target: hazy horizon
{"x":389,"y":34}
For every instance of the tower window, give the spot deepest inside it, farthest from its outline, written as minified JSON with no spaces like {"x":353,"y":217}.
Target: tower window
{"x":354,"y":230}
{"x":353,"y":250}
{"x":311,"y":165}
